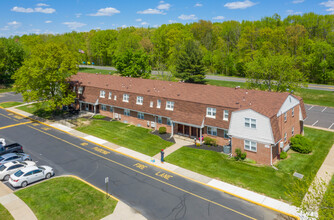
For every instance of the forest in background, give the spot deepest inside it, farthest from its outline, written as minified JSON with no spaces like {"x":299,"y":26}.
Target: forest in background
{"x":227,"y":47}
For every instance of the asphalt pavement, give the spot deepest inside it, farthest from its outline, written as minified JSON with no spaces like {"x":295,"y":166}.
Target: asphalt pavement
{"x":319,"y":116}
{"x":154,"y":192}
{"x":10,"y":97}
{"x":221,"y":78}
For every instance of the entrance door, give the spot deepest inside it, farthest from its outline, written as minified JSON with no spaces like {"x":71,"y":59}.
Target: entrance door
{"x":186,"y":130}
{"x":180,"y":129}
{"x":194,"y":132}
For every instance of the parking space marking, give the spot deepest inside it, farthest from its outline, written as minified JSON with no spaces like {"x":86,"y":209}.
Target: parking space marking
{"x":310,"y":107}
{"x":9,"y":126}
{"x":324,"y":109}
{"x":331,"y":126}
{"x":315,"y":123}
{"x":144,"y":174}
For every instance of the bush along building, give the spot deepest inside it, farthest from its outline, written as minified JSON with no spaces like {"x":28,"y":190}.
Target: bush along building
{"x":260,"y":123}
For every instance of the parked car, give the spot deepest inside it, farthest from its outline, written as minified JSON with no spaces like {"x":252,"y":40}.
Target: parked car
{"x":11,"y":148}
{"x":29,"y":175}
{"x":11,"y":167}
{"x":13,"y":157}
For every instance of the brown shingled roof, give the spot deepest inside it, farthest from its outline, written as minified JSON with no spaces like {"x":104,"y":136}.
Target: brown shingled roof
{"x":266,"y":103}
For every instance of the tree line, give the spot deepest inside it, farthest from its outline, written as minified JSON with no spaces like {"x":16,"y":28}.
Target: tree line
{"x":296,"y":49}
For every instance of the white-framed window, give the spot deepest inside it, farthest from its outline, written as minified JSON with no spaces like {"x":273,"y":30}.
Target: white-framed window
{"x":110,"y":95}
{"x":111,"y":109}
{"x":151,"y":104}
{"x":170,"y":105}
{"x":285,"y":116}
{"x":102,"y":94}
{"x":250,"y":123}
{"x":80,"y":90}
{"x":293,"y":112}
{"x":212,"y":131}
{"x":225,"y":115}
{"x":169,"y":122}
{"x":140,"y":100}
{"x":74,"y":88}
{"x":293,"y":131}
{"x":250,"y":145}
{"x":285,"y":137}
{"x":210,"y":112}
{"x":159,"y":119}
{"x":140,"y":115}
{"x":115,"y":97}
{"x":125,"y":97}
{"x":158,"y":103}
{"x":127,"y":112}
{"x":104,"y":107}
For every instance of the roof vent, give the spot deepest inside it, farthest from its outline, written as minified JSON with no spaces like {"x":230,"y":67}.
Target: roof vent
{"x":107,"y":84}
{"x":237,"y":87}
{"x":246,"y":92}
{"x":148,"y":90}
{"x":250,"y":103}
{"x":178,"y":94}
{"x":243,"y":98}
{"x":237,"y":103}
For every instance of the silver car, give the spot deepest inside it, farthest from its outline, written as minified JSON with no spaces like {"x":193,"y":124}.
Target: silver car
{"x":13,"y":157}
{"x":29,"y":175}
{"x":11,"y":167}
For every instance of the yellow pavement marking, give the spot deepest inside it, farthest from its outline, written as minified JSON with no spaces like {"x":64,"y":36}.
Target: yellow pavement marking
{"x":257,"y":203}
{"x":140,"y":166}
{"x":230,"y":209}
{"x":9,"y":126}
{"x":9,"y":117}
{"x":84,"y":144}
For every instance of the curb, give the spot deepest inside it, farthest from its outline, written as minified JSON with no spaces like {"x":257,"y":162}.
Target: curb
{"x":35,"y":120}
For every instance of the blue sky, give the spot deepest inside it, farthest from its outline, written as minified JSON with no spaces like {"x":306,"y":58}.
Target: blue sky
{"x":18,"y":17}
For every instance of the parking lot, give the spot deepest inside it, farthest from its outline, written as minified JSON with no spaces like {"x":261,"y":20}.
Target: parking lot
{"x":320,"y":116}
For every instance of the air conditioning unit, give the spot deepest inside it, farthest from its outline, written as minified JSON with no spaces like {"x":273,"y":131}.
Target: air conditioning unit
{"x":148,"y":123}
{"x":281,"y":144}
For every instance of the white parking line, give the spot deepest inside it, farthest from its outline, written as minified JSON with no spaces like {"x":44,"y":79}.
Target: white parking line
{"x":331,"y":126}
{"x":315,"y":122}
{"x":324,"y":109}
{"x":310,"y":107}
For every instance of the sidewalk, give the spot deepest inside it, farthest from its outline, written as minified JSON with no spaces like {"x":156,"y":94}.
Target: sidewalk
{"x":216,"y":184}
{"x":16,"y":207}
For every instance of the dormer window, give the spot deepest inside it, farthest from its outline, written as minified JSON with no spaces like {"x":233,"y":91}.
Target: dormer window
{"x":140,"y":100}
{"x":102,"y":94}
{"x":211,"y":112}
{"x":170,"y":105}
{"x":80,"y":90}
{"x":110,"y":95}
{"x":125,"y":97}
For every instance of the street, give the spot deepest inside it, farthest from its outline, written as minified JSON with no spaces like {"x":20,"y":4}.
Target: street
{"x":154,"y":192}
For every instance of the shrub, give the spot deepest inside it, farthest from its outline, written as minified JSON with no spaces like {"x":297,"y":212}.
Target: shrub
{"x":198,"y":144}
{"x":240,"y":155}
{"x":283,"y":155}
{"x":210,"y":141}
{"x":301,"y":144}
{"x":99,"y":117}
{"x":162,"y":130}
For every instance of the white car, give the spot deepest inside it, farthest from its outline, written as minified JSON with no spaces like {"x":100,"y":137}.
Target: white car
{"x":11,"y":167}
{"x":29,"y":175}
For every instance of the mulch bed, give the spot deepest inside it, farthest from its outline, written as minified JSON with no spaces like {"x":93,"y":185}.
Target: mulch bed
{"x":206,"y":147}
{"x":165,"y":137}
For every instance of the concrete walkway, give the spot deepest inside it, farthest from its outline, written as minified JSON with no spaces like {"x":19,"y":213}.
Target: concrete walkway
{"x":178,"y":144}
{"x":216,"y":184}
{"x":16,"y":207}
{"x":124,"y":212}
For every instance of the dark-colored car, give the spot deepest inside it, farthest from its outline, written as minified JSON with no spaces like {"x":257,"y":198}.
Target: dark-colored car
{"x":11,"y":148}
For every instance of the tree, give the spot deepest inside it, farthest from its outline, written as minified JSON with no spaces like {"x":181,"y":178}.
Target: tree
{"x":133,"y":64}
{"x":274,"y":73}
{"x":44,"y":75}
{"x":11,"y":59}
{"x":189,"y":63}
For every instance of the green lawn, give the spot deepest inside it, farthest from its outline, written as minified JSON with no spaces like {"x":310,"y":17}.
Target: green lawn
{"x":262,"y":179}
{"x":130,"y":136}
{"x":310,"y":96}
{"x":327,"y":205}
{"x":66,"y":198}
{"x":10,"y":104}
{"x":4,"y":214}
{"x":91,"y":70}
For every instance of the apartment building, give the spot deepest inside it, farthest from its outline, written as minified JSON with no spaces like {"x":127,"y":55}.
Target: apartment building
{"x":258,"y":122}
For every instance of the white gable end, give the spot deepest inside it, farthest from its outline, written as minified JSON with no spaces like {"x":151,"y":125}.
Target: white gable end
{"x":288,"y":104}
{"x":262,"y":133}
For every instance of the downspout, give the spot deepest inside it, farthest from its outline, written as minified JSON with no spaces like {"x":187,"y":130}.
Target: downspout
{"x":271,"y":155}
{"x":172,"y":129}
